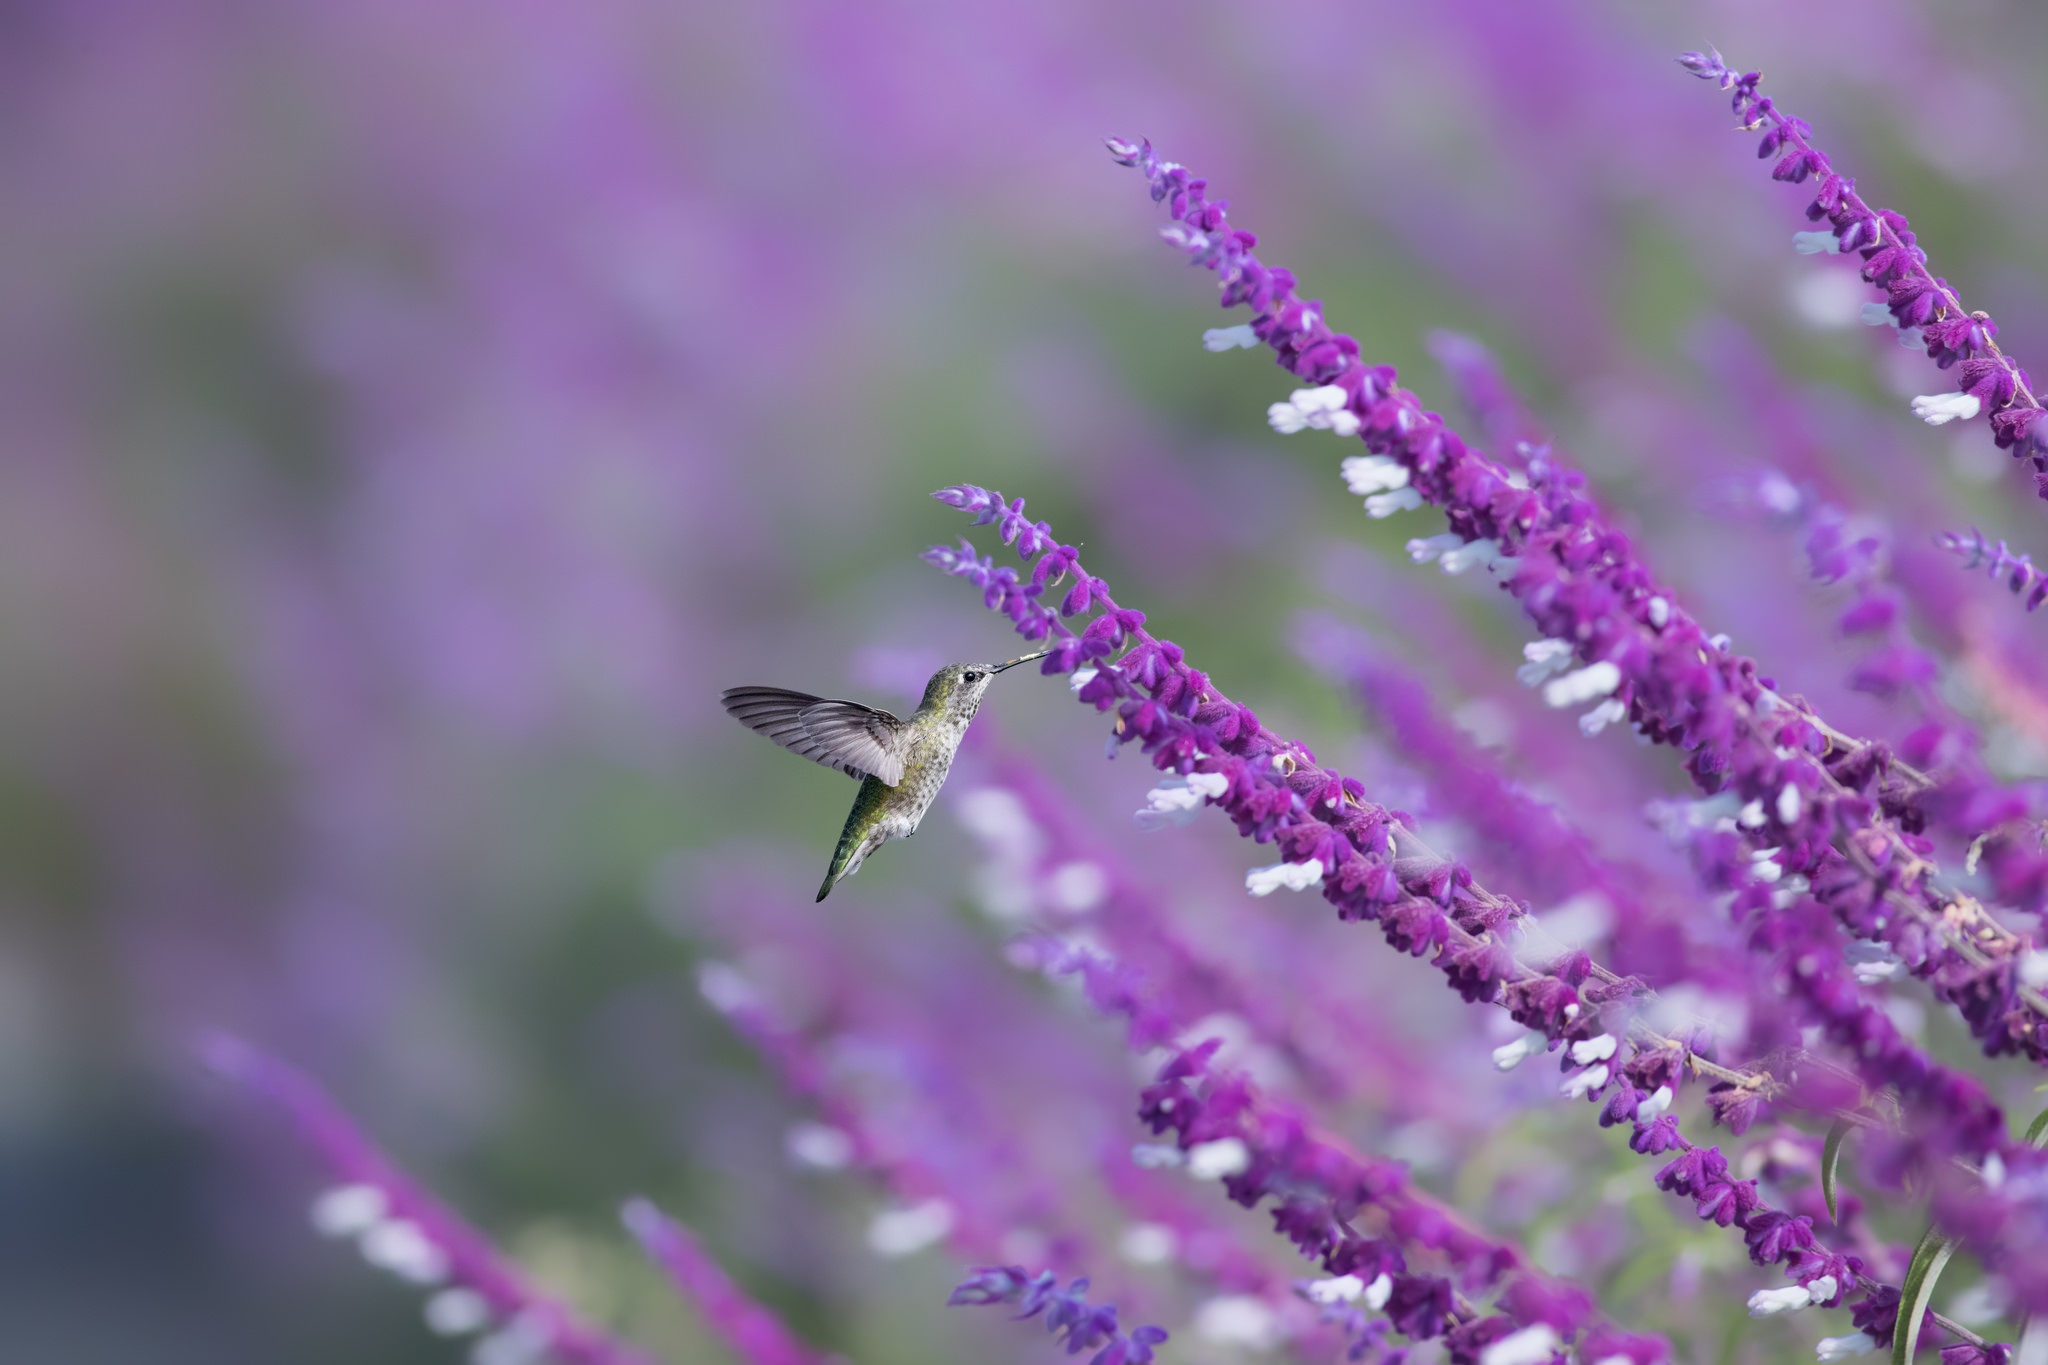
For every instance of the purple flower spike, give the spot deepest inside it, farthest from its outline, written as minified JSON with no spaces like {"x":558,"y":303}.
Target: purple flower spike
{"x":1896,"y":266}
{"x":404,"y":1229}
{"x":2000,"y":565}
{"x":1068,"y":1315}
{"x":753,"y":1333}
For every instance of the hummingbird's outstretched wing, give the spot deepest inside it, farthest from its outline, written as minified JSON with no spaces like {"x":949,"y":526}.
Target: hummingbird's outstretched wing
{"x":860,"y":741}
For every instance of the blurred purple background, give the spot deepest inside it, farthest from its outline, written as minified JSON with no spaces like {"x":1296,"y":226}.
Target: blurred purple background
{"x":417,"y":413}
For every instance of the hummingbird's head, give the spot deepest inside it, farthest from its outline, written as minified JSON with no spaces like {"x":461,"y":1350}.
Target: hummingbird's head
{"x":957,"y":688}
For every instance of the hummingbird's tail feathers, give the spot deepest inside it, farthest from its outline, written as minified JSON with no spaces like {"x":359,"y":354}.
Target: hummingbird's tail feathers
{"x":855,"y":739}
{"x":826,"y":890}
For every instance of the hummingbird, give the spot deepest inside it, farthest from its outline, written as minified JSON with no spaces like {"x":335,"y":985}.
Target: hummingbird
{"x":900,"y":764}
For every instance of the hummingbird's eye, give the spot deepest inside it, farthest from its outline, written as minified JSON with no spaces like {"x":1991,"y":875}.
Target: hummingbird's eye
{"x":971,"y":675}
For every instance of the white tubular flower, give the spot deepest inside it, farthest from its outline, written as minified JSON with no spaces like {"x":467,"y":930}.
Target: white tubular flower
{"x":1752,"y":816}
{"x":903,"y":1232}
{"x":2033,"y":967}
{"x":1992,"y":1173}
{"x":1816,"y":244}
{"x":1469,"y":554}
{"x":1178,"y":800}
{"x":1378,"y":1292}
{"x":1660,"y":612}
{"x":1214,"y":1160}
{"x":1341,"y":1289}
{"x":1264,"y":881}
{"x":1423,"y":550}
{"x":457,"y":1312}
{"x":1939,"y":409}
{"x":1156,"y":1156}
{"x":1593,"y":1050}
{"x":1286,"y":419}
{"x":1878,"y":315}
{"x":1790,"y":803}
{"x":401,"y":1248}
{"x":1508,"y":1056}
{"x":1545,"y":658}
{"x":1911,"y":340}
{"x":1081,"y":677}
{"x":1876,"y":973}
{"x":1582,"y":685}
{"x":1582,"y":1083}
{"x":1842,"y":1348}
{"x":818,"y":1145}
{"x":1602,"y":716}
{"x":1822,"y":1289}
{"x":1238,"y":1320}
{"x":724,"y":988}
{"x":1655,"y":1106}
{"x":1365,"y":474}
{"x":1240,"y":337}
{"x":1768,"y":1303}
{"x":1383,"y":505}
{"x":1321,"y":409}
{"x":1532,"y":1345}
{"x":348,"y":1210}
{"x":1147,"y":1244}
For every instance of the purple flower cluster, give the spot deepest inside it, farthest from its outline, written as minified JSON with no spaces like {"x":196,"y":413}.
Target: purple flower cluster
{"x":1373,"y":868}
{"x":1895,"y":264}
{"x":2000,"y":565}
{"x":402,"y":1228}
{"x":1850,"y":816}
{"x":1079,"y":1325}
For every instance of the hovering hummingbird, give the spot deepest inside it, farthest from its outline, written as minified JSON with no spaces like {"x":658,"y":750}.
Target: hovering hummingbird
{"x":901,"y":764}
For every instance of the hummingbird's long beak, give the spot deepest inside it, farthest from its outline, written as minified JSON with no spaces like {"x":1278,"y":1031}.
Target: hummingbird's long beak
{"x":1020,"y":659}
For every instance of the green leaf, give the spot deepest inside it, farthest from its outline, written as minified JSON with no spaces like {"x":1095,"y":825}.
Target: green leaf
{"x":2037,"y":1131}
{"x":1917,"y":1292}
{"x":1831,"y":1157}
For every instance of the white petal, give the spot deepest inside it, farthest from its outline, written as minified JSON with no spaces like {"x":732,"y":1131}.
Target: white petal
{"x":1545,"y":658}
{"x":1878,"y":315}
{"x":1328,"y":398}
{"x":1378,"y":1292}
{"x":902,"y":1232}
{"x":1240,"y":337}
{"x":1532,"y":1345}
{"x":1583,"y":1083}
{"x":1660,"y":612}
{"x":1264,"y":881}
{"x":401,"y":1248}
{"x":1214,"y":1160}
{"x":1767,"y":1303}
{"x":347,"y":1210}
{"x":1286,"y":419}
{"x":1582,"y":685}
{"x":1654,"y":1107}
{"x":818,"y":1145}
{"x":1508,"y":1056}
{"x":1939,"y":409}
{"x":2033,"y":967}
{"x":1365,"y":474}
{"x":1381,"y":505}
{"x":1473,"y":552}
{"x":1822,"y":1289}
{"x":1593,"y":1050}
{"x":456,"y":1312}
{"x":1338,"y":1289}
{"x":1156,"y":1156}
{"x":1816,"y":244}
{"x":1423,"y":550}
{"x":1238,"y":1320}
{"x":1841,"y":1348}
{"x":1345,"y":424}
{"x":1147,"y":1244}
{"x":1602,"y":716}
{"x":1080,"y":678}
{"x":1752,"y":816}
{"x":1789,"y":804}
